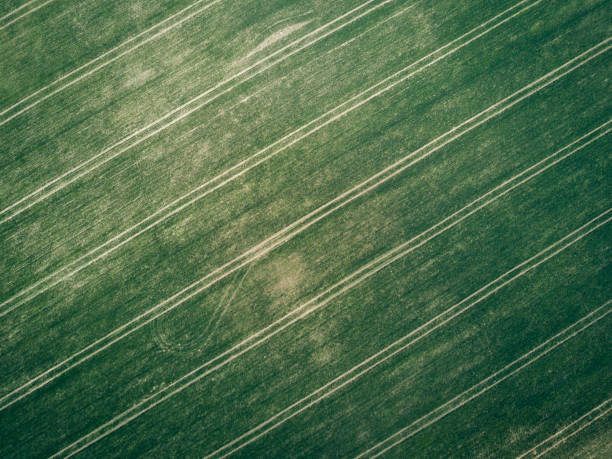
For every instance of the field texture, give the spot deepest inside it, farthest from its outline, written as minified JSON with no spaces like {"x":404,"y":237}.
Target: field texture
{"x":305,"y":228}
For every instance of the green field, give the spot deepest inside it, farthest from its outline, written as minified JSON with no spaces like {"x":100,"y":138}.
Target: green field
{"x":305,"y":228}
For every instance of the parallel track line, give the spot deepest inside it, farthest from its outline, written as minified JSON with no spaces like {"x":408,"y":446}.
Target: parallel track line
{"x":27,"y":13}
{"x":562,"y":435}
{"x":303,"y":311}
{"x":399,"y":345}
{"x":179,"y":204}
{"x":256,"y":253}
{"x":77,"y":169}
{"x":490,"y":382}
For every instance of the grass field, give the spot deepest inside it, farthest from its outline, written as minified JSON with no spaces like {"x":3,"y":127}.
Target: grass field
{"x":305,"y":228}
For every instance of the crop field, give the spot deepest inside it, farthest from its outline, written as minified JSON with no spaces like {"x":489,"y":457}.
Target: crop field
{"x":305,"y":228}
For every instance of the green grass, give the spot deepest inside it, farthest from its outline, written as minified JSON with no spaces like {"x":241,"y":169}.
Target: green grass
{"x":46,"y":318}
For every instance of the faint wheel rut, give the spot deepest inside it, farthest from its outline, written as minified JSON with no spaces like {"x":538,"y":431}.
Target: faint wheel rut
{"x":194,"y":339}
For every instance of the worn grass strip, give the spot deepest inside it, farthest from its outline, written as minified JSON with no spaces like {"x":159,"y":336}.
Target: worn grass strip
{"x":562,"y":435}
{"x":406,"y":341}
{"x":490,"y":382}
{"x":310,"y":219}
{"x":189,"y":107}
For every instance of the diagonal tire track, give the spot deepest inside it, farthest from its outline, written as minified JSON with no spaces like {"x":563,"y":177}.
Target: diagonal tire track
{"x":22,"y":15}
{"x":490,"y":382}
{"x":305,"y":222}
{"x":245,"y":166}
{"x":306,"y":309}
{"x":573,"y":428}
{"x":55,"y":87}
{"x":405,"y":342}
{"x":16,"y":10}
{"x":181,"y":112}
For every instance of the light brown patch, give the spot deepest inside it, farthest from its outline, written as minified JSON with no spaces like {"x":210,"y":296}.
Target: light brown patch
{"x":137,"y":76}
{"x":287,"y":275}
